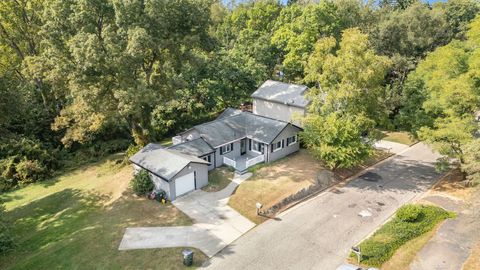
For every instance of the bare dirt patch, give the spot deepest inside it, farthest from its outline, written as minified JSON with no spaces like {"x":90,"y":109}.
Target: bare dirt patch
{"x":473,"y":261}
{"x":451,"y":184}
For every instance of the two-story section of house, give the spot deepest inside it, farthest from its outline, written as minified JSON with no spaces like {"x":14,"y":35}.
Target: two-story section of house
{"x":282,"y":101}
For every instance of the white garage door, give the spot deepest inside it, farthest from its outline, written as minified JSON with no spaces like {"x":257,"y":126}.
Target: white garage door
{"x":184,"y":184}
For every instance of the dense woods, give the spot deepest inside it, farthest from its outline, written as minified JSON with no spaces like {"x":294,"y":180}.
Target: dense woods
{"x":80,"y":79}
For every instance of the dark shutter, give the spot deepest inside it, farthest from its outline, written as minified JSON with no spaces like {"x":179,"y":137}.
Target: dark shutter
{"x":221,"y":150}
{"x":271,"y":151}
{"x":250,"y":144}
{"x":231,"y":147}
{"x":283,"y":143}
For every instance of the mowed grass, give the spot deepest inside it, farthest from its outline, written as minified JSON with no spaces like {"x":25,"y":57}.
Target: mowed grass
{"x":398,"y":137}
{"x":382,"y":245}
{"x":77,"y":220}
{"x":405,"y":255}
{"x":273,"y":182}
{"x":218,"y":179}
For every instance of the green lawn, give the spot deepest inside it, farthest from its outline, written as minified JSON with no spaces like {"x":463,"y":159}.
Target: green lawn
{"x":410,"y":222}
{"x":398,"y":137}
{"x":218,"y":179}
{"x":76,"y":221}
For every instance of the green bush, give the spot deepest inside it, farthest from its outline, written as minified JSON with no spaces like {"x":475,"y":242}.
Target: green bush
{"x":410,"y":222}
{"x":409,"y":213}
{"x":24,"y":161}
{"x":141,"y":183}
{"x":131,"y":150}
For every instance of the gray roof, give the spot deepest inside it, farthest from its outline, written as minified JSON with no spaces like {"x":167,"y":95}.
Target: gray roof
{"x":229,"y":112}
{"x":244,"y":124}
{"x":165,"y":163}
{"x":197,"y":147}
{"x":285,"y":93}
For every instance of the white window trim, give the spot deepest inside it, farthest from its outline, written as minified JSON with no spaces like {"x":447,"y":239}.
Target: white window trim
{"x":253,"y":150}
{"x":279,"y":148}
{"x":229,"y":146}
{"x":292,"y":143}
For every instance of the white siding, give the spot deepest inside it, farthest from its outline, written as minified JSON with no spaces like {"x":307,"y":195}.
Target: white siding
{"x":278,"y":111}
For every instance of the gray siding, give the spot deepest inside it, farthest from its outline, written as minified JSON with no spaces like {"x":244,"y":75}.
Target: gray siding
{"x":161,"y":184}
{"x":278,"y":111}
{"x":201,"y":172}
{"x":212,"y":161}
{"x":286,"y":150}
{"x":232,"y":154}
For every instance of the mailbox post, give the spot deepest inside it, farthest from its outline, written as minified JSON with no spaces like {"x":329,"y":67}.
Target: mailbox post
{"x":258,"y":206}
{"x":357,"y":251}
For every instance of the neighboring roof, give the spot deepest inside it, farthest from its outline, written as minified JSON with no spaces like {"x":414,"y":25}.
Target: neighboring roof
{"x":280,"y":92}
{"x":197,"y":147}
{"x":244,"y":124}
{"x":229,"y":112}
{"x":162,"y":162}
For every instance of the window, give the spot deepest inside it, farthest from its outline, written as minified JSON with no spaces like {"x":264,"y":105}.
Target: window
{"x":226,"y":148}
{"x":257,"y":147}
{"x":208,"y":158}
{"x":291,"y":140}
{"x":277,"y":146}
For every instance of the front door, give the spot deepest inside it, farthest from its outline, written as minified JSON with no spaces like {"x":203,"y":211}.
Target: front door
{"x":243,"y":146}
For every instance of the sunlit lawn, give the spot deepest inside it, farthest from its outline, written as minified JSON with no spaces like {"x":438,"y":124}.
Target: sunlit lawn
{"x":218,"y":179}
{"x":77,"y":220}
{"x":398,"y":137}
{"x":273,"y":182}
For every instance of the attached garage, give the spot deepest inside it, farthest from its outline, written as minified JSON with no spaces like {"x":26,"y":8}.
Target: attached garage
{"x":172,"y":171}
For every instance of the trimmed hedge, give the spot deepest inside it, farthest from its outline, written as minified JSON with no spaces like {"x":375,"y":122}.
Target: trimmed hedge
{"x":410,"y":222}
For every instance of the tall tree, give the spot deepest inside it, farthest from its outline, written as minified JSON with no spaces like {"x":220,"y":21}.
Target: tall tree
{"x":451,"y":94}
{"x":346,"y":99}
{"x":348,"y":79}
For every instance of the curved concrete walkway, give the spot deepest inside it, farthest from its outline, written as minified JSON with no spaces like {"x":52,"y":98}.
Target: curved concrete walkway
{"x":217,"y":224}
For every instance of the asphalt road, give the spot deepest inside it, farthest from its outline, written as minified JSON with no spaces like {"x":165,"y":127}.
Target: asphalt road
{"x":318,"y":234}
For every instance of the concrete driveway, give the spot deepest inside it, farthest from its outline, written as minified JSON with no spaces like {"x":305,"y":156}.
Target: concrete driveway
{"x":217,"y":224}
{"x":318,"y":234}
{"x":393,"y":147}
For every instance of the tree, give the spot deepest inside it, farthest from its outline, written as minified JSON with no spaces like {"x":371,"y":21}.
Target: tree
{"x":471,"y":162}
{"x":296,"y":30}
{"x":336,"y":139}
{"x":348,"y":79}
{"x":451,"y":95}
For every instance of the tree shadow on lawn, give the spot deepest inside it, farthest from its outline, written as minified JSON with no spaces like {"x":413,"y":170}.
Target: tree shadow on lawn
{"x":73,"y":229}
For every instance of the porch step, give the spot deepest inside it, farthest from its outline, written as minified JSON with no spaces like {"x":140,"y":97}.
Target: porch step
{"x":241,"y":172}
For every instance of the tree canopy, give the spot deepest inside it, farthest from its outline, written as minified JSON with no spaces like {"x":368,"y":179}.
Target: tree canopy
{"x":80,"y":78}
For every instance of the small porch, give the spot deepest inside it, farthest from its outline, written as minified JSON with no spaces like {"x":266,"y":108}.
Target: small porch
{"x":243,"y":162}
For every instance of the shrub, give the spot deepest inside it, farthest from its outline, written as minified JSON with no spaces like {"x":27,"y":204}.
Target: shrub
{"x":409,"y":213}
{"x":141,"y":183}
{"x":23,"y":161}
{"x":131,"y":150}
{"x":410,"y":222}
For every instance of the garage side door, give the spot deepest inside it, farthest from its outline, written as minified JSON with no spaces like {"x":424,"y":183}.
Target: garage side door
{"x":184,"y":184}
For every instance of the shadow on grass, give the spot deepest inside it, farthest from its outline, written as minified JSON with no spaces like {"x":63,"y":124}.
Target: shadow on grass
{"x":73,"y":228}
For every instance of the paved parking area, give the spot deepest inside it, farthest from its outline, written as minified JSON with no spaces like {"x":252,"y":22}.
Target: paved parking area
{"x":217,"y":224}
